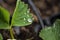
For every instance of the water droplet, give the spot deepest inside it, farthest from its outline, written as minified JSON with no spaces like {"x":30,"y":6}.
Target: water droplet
{"x":27,"y":15}
{"x":24,"y":22}
{"x":28,"y":11}
{"x":24,"y":19}
{"x":29,"y":20}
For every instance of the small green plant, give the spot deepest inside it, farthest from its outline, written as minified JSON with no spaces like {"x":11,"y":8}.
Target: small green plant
{"x":21,"y":17}
{"x":51,"y":32}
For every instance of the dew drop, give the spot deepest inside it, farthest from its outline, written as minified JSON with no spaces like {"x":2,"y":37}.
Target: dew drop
{"x":24,"y":19}
{"x":27,"y":15}
{"x":29,"y":20}
{"x":28,"y":11}
{"x":24,"y":22}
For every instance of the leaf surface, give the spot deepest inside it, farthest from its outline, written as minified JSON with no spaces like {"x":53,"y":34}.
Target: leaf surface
{"x":4,"y":18}
{"x":21,"y":16}
{"x":52,"y":32}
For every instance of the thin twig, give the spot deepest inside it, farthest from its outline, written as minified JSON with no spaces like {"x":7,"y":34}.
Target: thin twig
{"x":37,"y":12}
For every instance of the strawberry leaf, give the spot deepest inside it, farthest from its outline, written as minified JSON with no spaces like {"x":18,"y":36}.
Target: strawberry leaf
{"x":52,"y":32}
{"x":4,"y":18}
{"x":21,"y":16}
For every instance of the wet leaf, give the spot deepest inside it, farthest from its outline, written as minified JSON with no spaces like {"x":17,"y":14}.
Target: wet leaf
{"x":21,"y":16}
{"x":52,"y":32}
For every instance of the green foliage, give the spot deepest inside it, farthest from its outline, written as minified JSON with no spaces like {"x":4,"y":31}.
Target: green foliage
{"x":22,"y":16}
{"x":4,"y":18}
{"x":4,"y":14}
{"x":52,"y":32}
{"x":1,"y":38}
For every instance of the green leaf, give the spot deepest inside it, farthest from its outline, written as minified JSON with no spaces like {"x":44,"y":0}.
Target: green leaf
{"x":1,"y":38}
{"x":52,"y":32}
{"x":21,"y":16}
{"x":4,"y":18}
{"x":4,"y":14}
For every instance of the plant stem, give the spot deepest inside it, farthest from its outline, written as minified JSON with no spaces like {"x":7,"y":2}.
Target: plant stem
{"x":11,"y":33}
